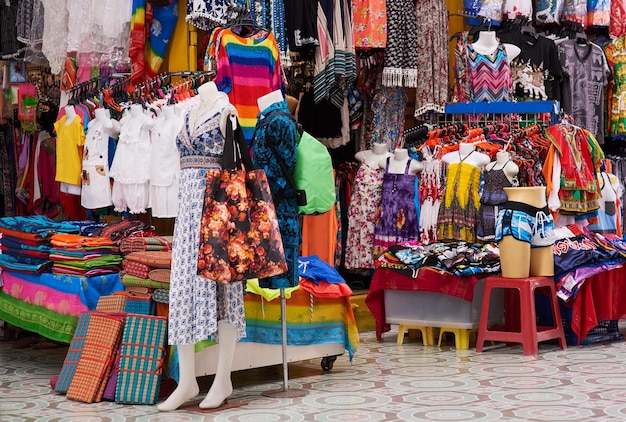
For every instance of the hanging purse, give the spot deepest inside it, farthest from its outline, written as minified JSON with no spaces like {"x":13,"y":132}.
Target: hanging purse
{"x":239,"y":234}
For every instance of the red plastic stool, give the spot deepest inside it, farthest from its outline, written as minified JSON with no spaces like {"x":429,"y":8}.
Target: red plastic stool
{"x":528,"y":333}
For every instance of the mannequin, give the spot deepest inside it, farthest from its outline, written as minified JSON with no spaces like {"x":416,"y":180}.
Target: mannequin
{"x":96,"y":185}
{"x":373,"y":156}
{"x":399,"y":161}
{"x":488,"y":42}
{"x":503,"y":162}
{"x":268,"y":99}
{"x":467,"y":153}
{"x":228,"y":297}
{"x":70,"y":112}
{"x":520,"y":258}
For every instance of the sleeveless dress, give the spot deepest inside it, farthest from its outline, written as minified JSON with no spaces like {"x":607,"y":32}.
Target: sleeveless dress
{"x":458,"y":212}
{"x":398,"y":221}
{"x":196,"y":303}
{"x":430,"y":196}
{"x":364,"y":204}
{"x":489,"y":75}
{"x":96,"y":185}
{"x":493,"y":194}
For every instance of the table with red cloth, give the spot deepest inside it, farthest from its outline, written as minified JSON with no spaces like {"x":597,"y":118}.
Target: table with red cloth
{"x":428,"y":279}
{"x":602,"y":297}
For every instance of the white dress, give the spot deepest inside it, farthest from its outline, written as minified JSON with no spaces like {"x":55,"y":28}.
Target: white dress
{"x":96,"y":184}
{"x":165,"y":166}
{"x":131,"y":165}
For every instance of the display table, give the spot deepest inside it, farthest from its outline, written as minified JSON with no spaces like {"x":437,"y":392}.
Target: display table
{"x":428,"y":279}
{"x":50,"y":304}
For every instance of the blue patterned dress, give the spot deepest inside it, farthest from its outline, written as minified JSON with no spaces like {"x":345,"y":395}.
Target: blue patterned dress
{"x":197,"y":303}
{"x":280,"y":131}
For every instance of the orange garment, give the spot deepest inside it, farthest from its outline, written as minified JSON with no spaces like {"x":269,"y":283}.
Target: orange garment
{"x":77,"y":241}
{"x":324,"y":289}
{"x":548,"y":165}
{"x":34,"y":237}
{"x":319,"y":236}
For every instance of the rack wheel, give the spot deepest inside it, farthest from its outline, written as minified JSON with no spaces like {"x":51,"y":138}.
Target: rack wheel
{"x":328,"y":362}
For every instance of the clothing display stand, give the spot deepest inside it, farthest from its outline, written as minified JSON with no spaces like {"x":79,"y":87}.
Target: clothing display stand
{"x":285,"y":392}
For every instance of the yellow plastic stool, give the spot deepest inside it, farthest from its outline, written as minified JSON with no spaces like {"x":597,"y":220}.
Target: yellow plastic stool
{"x":461,"y":336}
{"x":428,"y":333}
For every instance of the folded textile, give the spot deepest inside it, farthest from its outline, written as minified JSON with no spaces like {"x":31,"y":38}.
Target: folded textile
{"x":37,"y":225}
{"x":323,"y":289}
{"x":24,"y":264}
{"x":77,"y":241}
{"x":132,"y":281}
{"x":152,"y":258}
{"x":88,"y":227}
{"x":152,"y":243}
{"x":24,"y":252}
{"x":120,"y":230}
{"x":313,"y":268}
{"x":22,"y":241}
{"x":135,"y":268}
{"x":15,"y":243}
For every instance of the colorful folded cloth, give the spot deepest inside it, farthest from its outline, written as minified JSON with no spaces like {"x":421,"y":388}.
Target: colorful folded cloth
{"x":23,"y":264}
{"x":323,"y":289}
{"x":76,"y":241}
{"x":20,"y":240}
{"x":132,"y":281}
{"x":37,"y":225}
{"x":152,"y":243}
{"x":152,"y":258}
{"x":15,"y":243}
{"x":24,"y":252}
{"x":120,"y":230}
{"x":135,"y":268}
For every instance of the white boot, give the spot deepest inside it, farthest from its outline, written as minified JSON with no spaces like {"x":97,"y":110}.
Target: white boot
{"x":222,"y":386}
{"x":187,"y":384}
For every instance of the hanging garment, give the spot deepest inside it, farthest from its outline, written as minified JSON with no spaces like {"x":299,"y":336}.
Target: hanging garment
{"x":489,"y":75}
{"x":432,"y":61}
{"x":399,"y":209}
{"x":370,"y":23}
{"x":197,"y":303}
{"x":388,"y":109}
{"x":96,"y":184}
{"x":616,"y":57}
{"x":401,"y":53}
{"x":362,"y":215}
{"x":617,"y":26}
{"x":55,"y":33}
{"x":493,"y":195}
{"x":301,"y":20}
{"x":208,"y":14}
{"x":587,"y":74}
{"x":458,"y":212}
{"x":240,"y":57}
{"x":70,"y":138}
{"x":430,"y":197}
{"x":575,"y":11}
{"x":280,"y":132}
{"x":514,"y":8}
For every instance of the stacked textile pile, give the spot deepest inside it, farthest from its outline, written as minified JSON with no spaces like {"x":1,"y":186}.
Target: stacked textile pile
{"x":119,"y":230}
{"x":146,"y":273}
{"x":83,"y":255}
{"x":146,"y":243}
{"x":25,"y":242}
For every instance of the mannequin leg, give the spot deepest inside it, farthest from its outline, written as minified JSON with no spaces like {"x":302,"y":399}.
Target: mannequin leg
{"x":514,"y":257}
{"x":542,"y":262}
{"x":187,"y":384}
{"x":222,"y":386}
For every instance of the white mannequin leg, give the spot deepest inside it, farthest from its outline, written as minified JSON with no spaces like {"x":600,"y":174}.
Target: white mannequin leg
{"x":222,"y":386}
{"x":187,"y":384}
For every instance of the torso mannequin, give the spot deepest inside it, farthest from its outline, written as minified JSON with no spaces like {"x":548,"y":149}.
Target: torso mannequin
{"x":268,"y":99}
{"x":488,"y":42}
{"x":70,"y":113}
{"x":467,"y":153}
{"x":503,"y":162}
{"x":102,"y":119}
{"x":373,"y":156}
{"x":398,"y":163}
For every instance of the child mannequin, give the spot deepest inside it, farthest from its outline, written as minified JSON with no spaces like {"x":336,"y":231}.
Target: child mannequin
{"x":467,"y":153}
{"x":373,"y":156}
{"x":503,"y":162}
{"x":268,"y":99}
{"x":488,"y":42}
{"x":70,"y":112}
{"x":399,"y":161}
{"x":210,"y":101}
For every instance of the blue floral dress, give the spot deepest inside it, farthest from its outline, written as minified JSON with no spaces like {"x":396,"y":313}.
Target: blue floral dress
{"x":280,"y":132}
{"x":197,"y":303}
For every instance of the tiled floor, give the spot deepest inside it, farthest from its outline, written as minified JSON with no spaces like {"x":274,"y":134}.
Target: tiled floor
{"x":385,"y":382}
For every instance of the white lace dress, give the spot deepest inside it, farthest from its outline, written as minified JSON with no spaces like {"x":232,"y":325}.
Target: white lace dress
{"x":54,"y":45}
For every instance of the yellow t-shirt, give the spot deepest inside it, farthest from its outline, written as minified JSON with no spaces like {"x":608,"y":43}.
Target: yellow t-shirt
{"x":70,"y":139}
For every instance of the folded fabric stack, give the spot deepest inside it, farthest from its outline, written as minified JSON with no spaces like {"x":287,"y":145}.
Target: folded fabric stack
{"x":84,"y":256}
{"x":25,"y":242}
{"x":119,"y":230}
{"x":148,"y":243}
{"x":149,"y":269}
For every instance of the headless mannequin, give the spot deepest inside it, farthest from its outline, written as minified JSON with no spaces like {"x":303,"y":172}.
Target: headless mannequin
{"x":517,"y":258}
{"x":467,"y":153}
{"x":268,"y":99}
{"x":373,"y":156}
{"x":70,"y":114}
{"x":503,"y":162}
{"x":488,"y":42}
{"x":222,"y":386}
{"x":101,"y":117}
{"x":397,"y":164}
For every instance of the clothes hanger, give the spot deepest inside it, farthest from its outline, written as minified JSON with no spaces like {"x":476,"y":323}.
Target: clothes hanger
{"x":581,"y":38}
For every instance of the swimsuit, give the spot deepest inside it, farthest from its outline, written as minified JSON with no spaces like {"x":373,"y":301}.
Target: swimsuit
{"x":525,"y":223}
